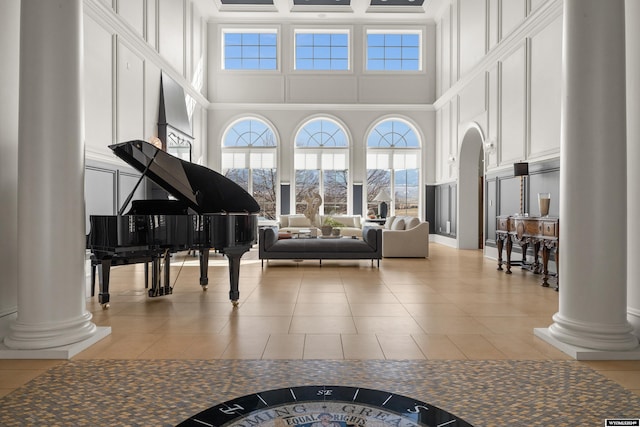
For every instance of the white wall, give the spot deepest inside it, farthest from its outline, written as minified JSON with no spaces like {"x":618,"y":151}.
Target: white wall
{"x":546,"y":67}
{"x":9,"y":77}
{"x":127,"y":45}
{"x":349,"y":87}
{"x":509,"y":64}
{"x":287,"y":98}
{"x":473,"y":19}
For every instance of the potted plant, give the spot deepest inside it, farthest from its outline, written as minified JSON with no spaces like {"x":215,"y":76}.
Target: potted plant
{"x":330,"y":226}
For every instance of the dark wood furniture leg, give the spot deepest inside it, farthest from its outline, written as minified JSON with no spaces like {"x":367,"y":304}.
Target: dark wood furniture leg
{"x":509,"y":247}
{"x":545,"y":266}
{"x":499,"y":244}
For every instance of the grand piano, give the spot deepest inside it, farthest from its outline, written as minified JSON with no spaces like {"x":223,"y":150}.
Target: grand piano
{"x":209,"y":211}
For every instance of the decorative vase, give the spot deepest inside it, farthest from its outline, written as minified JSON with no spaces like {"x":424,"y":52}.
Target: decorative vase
{"x":326,"y":230}
{"x":544,"y":200}
{"x":335,"y":231}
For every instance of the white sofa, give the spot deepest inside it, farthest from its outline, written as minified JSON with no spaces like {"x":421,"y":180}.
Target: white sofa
{"x":351,"y":224}
{"x":293,"y":223}
{"x":405,"y":237}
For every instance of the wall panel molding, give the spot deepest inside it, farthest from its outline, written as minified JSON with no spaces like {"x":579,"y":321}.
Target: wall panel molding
{"x":537,"y":20}
{"x":445,"y":200}
{"x":513,"y":105}
{"x":107,"y":17}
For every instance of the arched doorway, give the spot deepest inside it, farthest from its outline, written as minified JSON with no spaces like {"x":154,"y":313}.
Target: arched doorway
{"x":470,"y":193}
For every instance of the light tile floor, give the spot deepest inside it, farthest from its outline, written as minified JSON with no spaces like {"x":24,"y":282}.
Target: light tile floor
{"x":454,"y":305}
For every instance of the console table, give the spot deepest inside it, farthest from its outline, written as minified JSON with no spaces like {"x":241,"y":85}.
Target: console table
{"x":540,"y":232}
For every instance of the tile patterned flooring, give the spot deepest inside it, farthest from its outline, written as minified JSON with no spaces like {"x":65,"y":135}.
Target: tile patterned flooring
{"x":452,"y":306}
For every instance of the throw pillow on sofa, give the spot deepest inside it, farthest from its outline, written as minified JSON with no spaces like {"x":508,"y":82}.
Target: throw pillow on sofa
{"x":346,"y":221}
{"x":389,"y":222}
{"x":398,"y":224}
{"x":411,"y":223}
{"x":299,"y":221}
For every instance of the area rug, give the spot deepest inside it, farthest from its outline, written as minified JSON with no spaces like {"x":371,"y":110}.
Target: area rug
{"x":168,"y":392}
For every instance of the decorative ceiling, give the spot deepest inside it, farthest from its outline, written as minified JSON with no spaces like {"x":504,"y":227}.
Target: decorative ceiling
{"x":329,"y":2}
{"x":328,"y":10}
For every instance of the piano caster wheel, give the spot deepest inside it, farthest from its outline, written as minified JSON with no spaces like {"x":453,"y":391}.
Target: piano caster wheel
{"x":205,"y":287}
{"x":105,"y":306}
{"x":235,"y":303}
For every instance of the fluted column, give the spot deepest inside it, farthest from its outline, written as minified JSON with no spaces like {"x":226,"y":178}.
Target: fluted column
{"x":592,"y":312}
{"x":633,"y":160}
{"x":51,"y":222}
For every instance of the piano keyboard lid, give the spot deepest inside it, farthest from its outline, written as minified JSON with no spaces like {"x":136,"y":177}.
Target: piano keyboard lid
{"x":204,"y":190}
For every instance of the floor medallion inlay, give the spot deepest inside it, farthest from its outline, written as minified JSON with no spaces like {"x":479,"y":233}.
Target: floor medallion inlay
{"x":324,"y":406}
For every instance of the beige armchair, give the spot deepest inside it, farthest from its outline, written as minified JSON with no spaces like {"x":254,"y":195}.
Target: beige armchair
{"x":405,"y":237}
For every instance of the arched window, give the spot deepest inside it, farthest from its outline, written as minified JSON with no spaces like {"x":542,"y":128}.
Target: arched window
{"x":321,"y":162}
{"x":393,"y":167}
{"x":249,"y":153}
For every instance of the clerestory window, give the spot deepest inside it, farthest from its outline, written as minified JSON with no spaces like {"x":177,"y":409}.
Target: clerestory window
{"x":322,"y":50}
{"x":399,"y":50}
{"x":255,"y":49}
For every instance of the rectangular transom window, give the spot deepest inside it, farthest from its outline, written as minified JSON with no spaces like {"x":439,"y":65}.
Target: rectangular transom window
{"x":394,"y":50}
{"x":322,"y":50}
{"x":249,"y":49}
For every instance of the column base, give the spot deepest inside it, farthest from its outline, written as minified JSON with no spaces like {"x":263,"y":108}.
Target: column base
{"x":581,"y":353}
{"x":60,"y":352}
{"x":60,"y":341}
{"x":64,"y":352}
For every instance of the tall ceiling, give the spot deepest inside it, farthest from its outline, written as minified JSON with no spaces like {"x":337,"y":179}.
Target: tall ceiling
{"x":339,"y":11}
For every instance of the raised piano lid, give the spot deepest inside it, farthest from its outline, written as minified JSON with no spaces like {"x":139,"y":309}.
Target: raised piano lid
{"x":204,"y":190}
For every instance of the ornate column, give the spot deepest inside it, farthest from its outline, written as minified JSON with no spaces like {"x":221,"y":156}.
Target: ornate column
{"x":51,"y":221}
{"x":633,"y":160}
{"x":592,"y":319}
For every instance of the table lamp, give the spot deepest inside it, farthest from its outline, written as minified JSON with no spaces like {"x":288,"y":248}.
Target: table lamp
{"x":382,"y":198}
{"x":521,"y":169}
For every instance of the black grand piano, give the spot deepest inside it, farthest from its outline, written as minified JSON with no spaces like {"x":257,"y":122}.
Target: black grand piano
{"x":209,"y":212}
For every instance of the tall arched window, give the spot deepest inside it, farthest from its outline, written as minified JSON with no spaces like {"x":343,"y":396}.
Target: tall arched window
{"x":321,"y":161}
{"x":393,"y":167}
{"x":249,"y":153}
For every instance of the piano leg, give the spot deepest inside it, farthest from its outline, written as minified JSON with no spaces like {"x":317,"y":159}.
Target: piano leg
{"x":103,"y":280}
{"x":155,"y":278}
{"x":167,"y":290}
{"x":204,"y":268}
{"x":93,"y":279}
{"x":146,"y":275}
{"x":234,"y":255}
